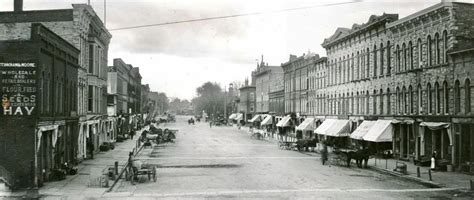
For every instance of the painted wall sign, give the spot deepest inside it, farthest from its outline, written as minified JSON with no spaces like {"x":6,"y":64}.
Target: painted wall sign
{"x":18,"y":89}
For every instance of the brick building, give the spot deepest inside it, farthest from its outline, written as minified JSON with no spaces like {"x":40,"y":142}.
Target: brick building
{"x":247,"y":101}
{"x":124,"y":95}
{"x":411,"y":75}
{"x":265,"y":77}
{"x":81,"y":27}
{"x":39,"y":131}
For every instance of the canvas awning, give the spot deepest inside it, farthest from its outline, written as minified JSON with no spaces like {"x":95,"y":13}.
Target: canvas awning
{"x":255,"y":118}
{"x":285,"y":122}
{"x":307,"y":125}
{"x":267,"y":120}
{"x":362,"y":130}
{"x":232,"y":116}
{"x":239,"y":117}
{"x":334,"y":128}
{"x":435,"y":125}
{"x":381,"y":131}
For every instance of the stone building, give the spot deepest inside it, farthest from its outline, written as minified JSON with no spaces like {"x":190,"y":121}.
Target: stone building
{"x":412,"y":75}
{"x":265,"y":78}
{"x":39,"y":120}
{"x":81,"y":27}
{"x":295,"y":80}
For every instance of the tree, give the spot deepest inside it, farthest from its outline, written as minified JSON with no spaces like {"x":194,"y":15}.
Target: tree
{"x":210,"y":98}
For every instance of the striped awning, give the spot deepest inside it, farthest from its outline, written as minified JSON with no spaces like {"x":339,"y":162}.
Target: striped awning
{"x":267,"y":120}
{"x":239,"y":117}
{"x":307,"y":125}
{"x":255,"y":118}
{"x":334,"y":128}
{"x":285,"y":122}
{"x":362,"y":130}
{"x":232,"y":116}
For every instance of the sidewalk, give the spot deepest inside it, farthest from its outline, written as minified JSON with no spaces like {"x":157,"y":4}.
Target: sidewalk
{"x":78,"y":185}
{"x":439,"y":178}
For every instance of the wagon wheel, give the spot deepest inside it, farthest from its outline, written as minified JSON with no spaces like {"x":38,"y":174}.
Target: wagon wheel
{"x":154,"y":173}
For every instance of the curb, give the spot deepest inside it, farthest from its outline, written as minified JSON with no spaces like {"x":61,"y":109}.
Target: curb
{"x":430,"y":184}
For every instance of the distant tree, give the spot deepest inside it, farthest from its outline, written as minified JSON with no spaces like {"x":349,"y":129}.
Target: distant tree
{"x":210,"y":98}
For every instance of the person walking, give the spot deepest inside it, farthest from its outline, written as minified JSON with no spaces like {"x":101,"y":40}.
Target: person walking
{"x":433,"y":161}
{"x":324,"y":153}
{"x":210,"y":124}
{"x":90,"y":148}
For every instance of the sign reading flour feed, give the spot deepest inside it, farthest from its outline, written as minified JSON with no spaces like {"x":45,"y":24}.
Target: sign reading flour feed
{"x":18,"y":89}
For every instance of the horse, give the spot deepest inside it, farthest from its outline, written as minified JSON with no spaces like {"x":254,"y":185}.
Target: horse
{"x":361,"y":155}
{"x":305,"y":144}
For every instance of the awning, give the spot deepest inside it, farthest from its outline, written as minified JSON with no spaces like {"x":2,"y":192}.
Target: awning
{"x":381,"y":131}
{"x":239,"y":117}
{"x":334,"y":128}
{"x":307,"y":125}
{"x":255,"y":118}
{"x":266,"y":121}
{"x":232,"y":116}
{"x":285,"y":122}
{"x":362,"y":130}
{"x":435,"y":125}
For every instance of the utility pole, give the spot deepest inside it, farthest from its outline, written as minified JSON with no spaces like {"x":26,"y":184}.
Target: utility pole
{"x":225,"y":102}
{"x":105,"y":13}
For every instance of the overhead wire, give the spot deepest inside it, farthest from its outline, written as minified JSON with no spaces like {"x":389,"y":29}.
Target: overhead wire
{"x":235,"y":15}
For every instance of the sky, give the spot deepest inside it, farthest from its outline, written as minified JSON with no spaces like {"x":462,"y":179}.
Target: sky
{"x":178,"y":58}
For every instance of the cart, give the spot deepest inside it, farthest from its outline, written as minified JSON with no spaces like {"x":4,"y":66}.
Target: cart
{"x":137,"y":168}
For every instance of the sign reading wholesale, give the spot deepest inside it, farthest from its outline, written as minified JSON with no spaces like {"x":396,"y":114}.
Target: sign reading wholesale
{"x":18,"y":89}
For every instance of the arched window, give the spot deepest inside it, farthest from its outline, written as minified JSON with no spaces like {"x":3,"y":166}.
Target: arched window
{"x":343,"y":74}
{"x":352,"y":103}
{"x":420,"y":99}
{"x":404,"y":58}
{"x":398,"y":58}
{"x":429,"y":44}
{"x":410,"y":55}
{"x":467,"y":96}
{"x":352,"y":68}
{"x":429,"y":94}
{"x":358,"y":68}
{"x":375,"y":60}
{"x":445,"y":46}
{"x":438,"y":44}
{"x":404,"y":99}
{"x":446,"y":97}
{"x":357,"y":111}
{"x":381,"y":58}
{"x":374,"y":102}
{"x":410,"y":99}
{"x":438,"y":97}
{"x":457,"y":97}
{"x":399,"y":102}
{"x":389,"y":108}
{"x":420,"y":53}
{"x":389,"y":59}
{"x":367,"y":65}
{"x":367,"y":97}
{"x":381,"y":99}
{"x":347,"y":109}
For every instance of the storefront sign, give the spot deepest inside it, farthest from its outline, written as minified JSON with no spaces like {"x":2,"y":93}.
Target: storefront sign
{"x":18,"y":89}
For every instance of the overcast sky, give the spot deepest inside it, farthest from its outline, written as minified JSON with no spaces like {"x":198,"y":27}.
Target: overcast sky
{"x":178,"y":58}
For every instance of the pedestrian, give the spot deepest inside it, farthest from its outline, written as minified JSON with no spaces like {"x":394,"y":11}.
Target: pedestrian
{"x":90,"y":148}
{"x":210,"y":124}
{"x":433,"y":161}
{"x":324,"y":153}
{"x":132,"y":133}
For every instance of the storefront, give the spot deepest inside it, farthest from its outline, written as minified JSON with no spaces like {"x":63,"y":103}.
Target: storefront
{"x":436,"y":139}
{"x":334,"y":131}
{"x":306,"y":128}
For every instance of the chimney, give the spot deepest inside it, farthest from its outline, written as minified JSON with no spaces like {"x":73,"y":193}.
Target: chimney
{"x":18,"y":5}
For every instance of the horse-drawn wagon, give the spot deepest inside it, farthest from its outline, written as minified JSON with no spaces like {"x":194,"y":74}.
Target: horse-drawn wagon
{"x":137,"y":168}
